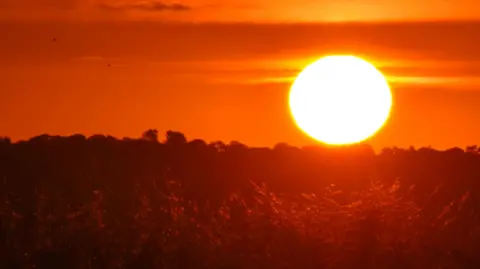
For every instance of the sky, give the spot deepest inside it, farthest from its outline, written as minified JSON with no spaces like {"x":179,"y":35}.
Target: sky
{"x":218,"y":71}
{"x":239,"y":10}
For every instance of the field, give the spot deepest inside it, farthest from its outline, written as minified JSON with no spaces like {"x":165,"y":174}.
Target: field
{"x":101,"y":202}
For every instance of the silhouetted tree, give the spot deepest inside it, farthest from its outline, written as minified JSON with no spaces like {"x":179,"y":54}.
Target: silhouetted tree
{"x":472,"y":149}
{"x":175,"y":138}
{"x":5,"y":140}
{"x":150,"y":135}
{"x":218,"y":146}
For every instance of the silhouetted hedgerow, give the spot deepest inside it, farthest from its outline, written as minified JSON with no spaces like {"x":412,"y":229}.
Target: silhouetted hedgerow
{"x":100,"y":202}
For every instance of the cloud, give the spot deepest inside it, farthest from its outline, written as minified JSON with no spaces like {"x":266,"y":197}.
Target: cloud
{"x":91,"y":6}
{"x":148,"y":5}
{"x":39,"y":4}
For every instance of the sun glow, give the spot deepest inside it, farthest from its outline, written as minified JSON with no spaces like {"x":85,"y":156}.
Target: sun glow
{"x":340,"y":100}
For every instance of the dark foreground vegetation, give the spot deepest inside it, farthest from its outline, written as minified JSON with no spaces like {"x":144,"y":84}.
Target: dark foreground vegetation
{"x":100,"y":202}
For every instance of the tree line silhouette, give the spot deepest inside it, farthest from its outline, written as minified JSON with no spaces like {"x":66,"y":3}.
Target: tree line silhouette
{"x":103,"y":202}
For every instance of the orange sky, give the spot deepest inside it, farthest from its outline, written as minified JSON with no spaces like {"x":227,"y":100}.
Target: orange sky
{"x":240,"y":10}
{"x":224,"y":81}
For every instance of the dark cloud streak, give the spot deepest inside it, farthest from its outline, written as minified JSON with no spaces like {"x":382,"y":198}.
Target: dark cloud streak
{"x":146,"y":6}
{"x":39,"y":4}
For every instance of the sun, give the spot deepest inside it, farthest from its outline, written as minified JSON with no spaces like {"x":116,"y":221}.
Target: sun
{"x":340,"y":100}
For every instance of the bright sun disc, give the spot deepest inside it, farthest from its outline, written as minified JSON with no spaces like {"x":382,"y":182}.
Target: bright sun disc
{"x":340,"y":100}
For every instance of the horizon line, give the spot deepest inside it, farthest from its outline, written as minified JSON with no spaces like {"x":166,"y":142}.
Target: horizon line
{"x":313,"y":144}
